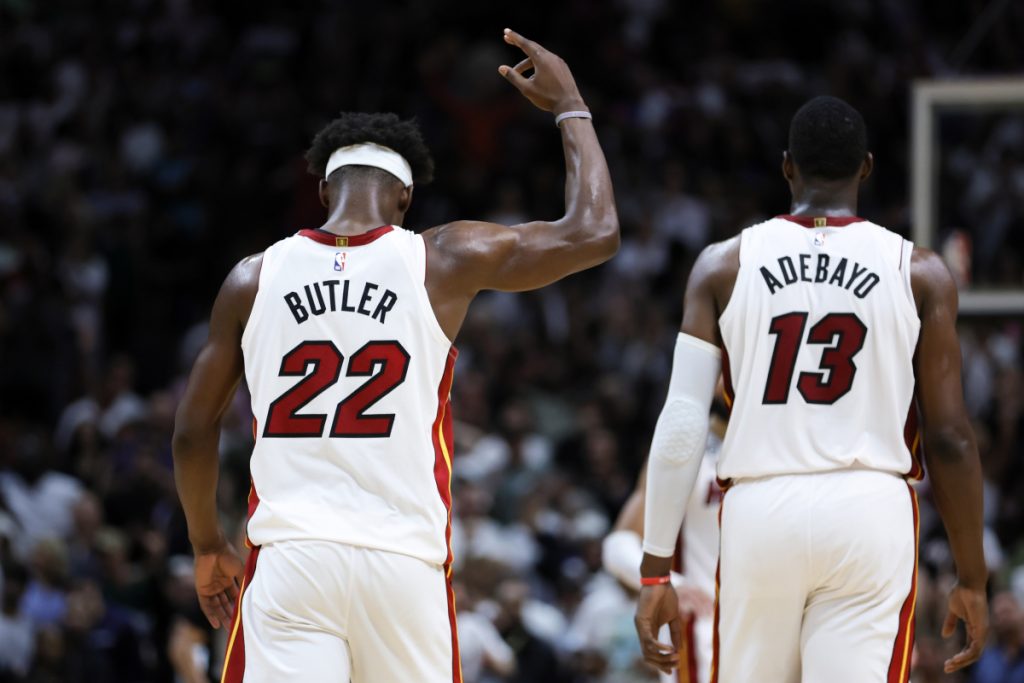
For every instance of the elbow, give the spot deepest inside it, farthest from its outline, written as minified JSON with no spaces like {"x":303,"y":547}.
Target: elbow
{"x":607,"y":237}
{"x":949,"y":444}
{"x":184,"y":441}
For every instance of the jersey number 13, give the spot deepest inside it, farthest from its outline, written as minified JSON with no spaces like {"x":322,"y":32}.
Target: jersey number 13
{"x":843,"y":331}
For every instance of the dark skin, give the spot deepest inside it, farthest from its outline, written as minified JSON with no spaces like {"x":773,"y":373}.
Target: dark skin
{"x":950,"y":450}
{"x":464,"y":258}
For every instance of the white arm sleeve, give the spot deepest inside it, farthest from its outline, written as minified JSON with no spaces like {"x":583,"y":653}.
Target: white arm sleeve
{"x":621,"y":554}
{"x":678,"y":443}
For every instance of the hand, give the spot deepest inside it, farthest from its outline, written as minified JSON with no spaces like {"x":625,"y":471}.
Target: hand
{"x":694,"y":601}
{"x":970,"y":606}
{"x":551,"y":87}
{"x":656,"y":606}
{"x":219,"y":574}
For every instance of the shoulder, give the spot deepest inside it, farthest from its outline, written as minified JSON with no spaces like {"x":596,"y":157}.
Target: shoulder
{"x":245,"y":273}
{"x":717,"y":263}
{"x":464,"y":235}
{"x":931,"y":280}
{"x":238,"y":293}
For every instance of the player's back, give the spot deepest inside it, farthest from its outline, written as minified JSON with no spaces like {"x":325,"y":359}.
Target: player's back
{"x":819,"y":334}
{"x":350,"y":375}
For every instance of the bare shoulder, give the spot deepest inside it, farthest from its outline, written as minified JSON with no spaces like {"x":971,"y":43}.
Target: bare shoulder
{"x":465,"y":236}
{"x":246,"y":273}
{"x":238,"y":293}
{"x":931,"y":280}
{"x":720,"y":257}
{"x":716,"y":268}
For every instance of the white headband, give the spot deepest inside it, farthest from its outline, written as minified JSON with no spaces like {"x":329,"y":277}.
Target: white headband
{"x":370,"y":154}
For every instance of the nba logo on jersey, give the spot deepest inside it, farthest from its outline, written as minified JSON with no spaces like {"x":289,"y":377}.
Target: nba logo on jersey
{"x":339,"y":260}
{"x":819,"y":239}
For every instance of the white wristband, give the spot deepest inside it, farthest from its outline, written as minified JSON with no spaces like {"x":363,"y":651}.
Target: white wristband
{"x":572,"y":115}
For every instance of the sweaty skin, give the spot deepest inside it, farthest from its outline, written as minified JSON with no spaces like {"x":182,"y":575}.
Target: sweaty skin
{"x":463,"y":258}
{"x":951,"y":453}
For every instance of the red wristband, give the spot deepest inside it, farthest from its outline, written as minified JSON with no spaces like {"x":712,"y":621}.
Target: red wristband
{"x":655,"y":580}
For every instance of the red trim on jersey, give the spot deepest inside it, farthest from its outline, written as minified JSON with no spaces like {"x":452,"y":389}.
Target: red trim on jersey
{"x":234,"y":657}
{"x":830,"y":221}
{"x":715,"y":646}
{"x":335,"y":240}
{"x":441,"y":435}
{"x":729,"y":394}
{"x":912,"y":437}
{"x":899,"y":664}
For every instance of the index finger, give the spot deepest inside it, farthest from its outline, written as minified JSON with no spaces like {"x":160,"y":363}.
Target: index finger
{"x":209,"y":611}
{"x":970,"y":654}
{"x":525,"y":44}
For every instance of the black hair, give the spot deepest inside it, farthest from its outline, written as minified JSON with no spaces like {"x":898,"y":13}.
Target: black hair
{"x":828,"y":139}
{"x":387,"y":130}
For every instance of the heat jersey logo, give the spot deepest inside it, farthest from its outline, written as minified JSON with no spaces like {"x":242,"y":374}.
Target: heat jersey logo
{"x":339,"y":260}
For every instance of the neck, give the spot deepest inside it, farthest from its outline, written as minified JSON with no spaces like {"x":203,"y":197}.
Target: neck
{"x":355,"y":210}
{"x":825,"y":200}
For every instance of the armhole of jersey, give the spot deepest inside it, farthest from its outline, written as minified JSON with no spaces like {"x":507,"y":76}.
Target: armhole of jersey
{"x":267,"y":270}
{"x":418,"y":264}
{"x":740,"y":285}
{"x":910,"y":305}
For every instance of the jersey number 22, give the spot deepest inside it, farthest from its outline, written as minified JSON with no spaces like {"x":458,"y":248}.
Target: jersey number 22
{"x":384,"y":362}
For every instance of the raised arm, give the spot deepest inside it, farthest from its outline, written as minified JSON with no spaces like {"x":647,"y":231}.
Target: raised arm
{"x":951,"y":453}
{"x":211,"y":387}
{"x":468,"y":256}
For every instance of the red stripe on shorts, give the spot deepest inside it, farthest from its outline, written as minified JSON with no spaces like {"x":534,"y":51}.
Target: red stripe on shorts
{"x":456,"y":660}
{"x":899,"y":664}
{"x":234,"y":658}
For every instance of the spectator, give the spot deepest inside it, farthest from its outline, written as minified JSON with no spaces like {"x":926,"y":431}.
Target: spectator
{"x":1003,"y":661}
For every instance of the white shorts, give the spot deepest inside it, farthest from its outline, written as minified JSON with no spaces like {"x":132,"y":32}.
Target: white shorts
{"x":817,"y":579}
{"x":319,"y":612}
{"x":695,"y":654}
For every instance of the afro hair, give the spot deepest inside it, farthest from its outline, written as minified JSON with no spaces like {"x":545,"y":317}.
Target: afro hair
{"x":387,"y":130}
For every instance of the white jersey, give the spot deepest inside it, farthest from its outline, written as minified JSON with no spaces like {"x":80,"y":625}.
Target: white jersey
{"x":819,"y":339}
{"x":699,"y":555}
{"x":350,"y":375}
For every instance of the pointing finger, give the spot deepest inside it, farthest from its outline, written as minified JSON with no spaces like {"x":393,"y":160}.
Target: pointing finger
{"x":528,"y":46}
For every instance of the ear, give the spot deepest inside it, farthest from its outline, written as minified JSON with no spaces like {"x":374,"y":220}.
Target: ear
{"x":788,"y":167}
{"x":405,"y":199}
{"x":322,"y":192}
{"x":867,"y":166}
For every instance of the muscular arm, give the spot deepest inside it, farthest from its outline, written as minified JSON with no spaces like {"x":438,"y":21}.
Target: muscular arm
{"x":466,"y":257}
{"x":211,"y":386}
{"x":950,"y":450}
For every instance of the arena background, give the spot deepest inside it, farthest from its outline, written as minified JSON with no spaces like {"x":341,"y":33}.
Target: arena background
{"x":147,"y":145}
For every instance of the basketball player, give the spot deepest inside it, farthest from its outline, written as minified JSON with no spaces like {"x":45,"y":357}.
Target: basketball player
{"x":697,"y":557}
{"x":344,"y":336}
{"x":827,"y":326}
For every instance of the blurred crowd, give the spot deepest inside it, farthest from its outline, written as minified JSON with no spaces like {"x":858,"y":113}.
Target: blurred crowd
{"x":146,"y":146}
